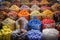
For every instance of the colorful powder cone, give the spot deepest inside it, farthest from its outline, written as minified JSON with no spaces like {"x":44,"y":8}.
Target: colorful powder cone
{"x":23,"y":23}
{"x":44,"y":2}
{"x":45,"y":8}
{"x":14,"y":8}
{"x":24,"y":13}
{"x":34,"y":2}
{"x":36,"y":13}
{"x":50,"y":34}
{"x":24,"y":7}
{"x":6,"y":31}
{"x":47,"y":14}
{"x":34,"y":24}
{"x":34,"y":7}
{"x":48,"y":23}
{"x":55,"y":7}
{"x":34,"y":35}
{"x":9,"y":22}
{"x":57,"y":16}
{"x":12,"y":15}
{"x":25,"y":2}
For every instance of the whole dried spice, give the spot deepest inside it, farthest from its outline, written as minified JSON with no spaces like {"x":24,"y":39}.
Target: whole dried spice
{"x":24,"y":13}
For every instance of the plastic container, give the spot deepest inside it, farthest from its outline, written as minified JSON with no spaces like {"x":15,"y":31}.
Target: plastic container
{"x":23,"y":23}
{"x":37,"y":14}
{"x":34,"y":35}
{"x":50,"y":34}
{"x":9,"y":22}
{"x":48,"y":23}
{"x":35,"y":24}
{"x":24,"y":13}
